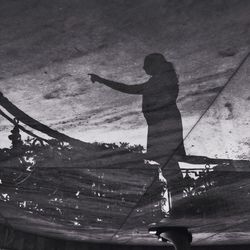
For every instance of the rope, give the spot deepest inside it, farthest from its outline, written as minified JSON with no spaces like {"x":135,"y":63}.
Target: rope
{"x":209,"y":106}
{"x":29,"y":121}
{"x":169,"y":159}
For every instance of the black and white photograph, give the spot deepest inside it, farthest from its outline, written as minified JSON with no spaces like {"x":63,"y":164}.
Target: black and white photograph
{"x":124,"y":124}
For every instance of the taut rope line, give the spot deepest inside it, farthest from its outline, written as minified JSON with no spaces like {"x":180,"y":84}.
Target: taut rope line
{"x":29,"y":121}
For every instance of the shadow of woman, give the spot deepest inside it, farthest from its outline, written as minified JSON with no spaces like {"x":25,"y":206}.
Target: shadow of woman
{"x":165,"y":132}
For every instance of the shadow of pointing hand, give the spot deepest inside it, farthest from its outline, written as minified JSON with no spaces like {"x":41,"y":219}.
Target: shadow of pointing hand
{"x":95,"y":78}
